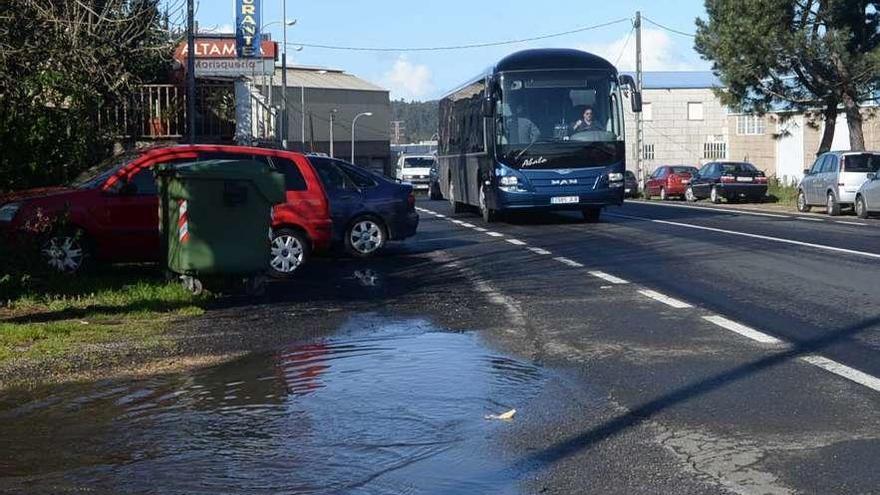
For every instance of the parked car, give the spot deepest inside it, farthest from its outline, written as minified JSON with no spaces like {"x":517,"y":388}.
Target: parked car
{"x":868,"y":197}
{"x":834,"y":179}
{"x":416,"y":169}
{"x":434,"y":186}
{"x":630,"y":185}
{"x":732,"y":181}
{"x":367,"y":209}
{"x":668,"y":181}
{"x":112,"y":209}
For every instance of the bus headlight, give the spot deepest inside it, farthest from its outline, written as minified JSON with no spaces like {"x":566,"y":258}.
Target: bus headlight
{"x":509,"y":180}
{"x":615,"y":177}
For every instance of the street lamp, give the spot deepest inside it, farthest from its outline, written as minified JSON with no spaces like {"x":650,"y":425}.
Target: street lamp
{"x":332,"y":115}
{"x":353,"y":122}
{"x":302,"y":108}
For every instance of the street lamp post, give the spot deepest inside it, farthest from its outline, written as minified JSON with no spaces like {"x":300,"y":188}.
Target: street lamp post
{"x":332,"y":115}
{"x":302,"y":108}
{"x":353,"y":122}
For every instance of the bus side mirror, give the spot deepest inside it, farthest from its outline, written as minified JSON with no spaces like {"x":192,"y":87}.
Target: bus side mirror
{"x":488,"y":107}
{"x":635,"y":96}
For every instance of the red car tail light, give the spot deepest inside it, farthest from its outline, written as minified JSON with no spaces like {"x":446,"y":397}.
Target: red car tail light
{"x":411,"y":201}
{"x":761,"y":179}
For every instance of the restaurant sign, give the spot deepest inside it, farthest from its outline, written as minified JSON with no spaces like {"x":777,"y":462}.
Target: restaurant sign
{"x":247,"y":28}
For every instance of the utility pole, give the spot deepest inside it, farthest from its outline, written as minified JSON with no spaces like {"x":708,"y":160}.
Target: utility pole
{"x":397,"y":130}
{"x":191,"y":70}
{"x":640,"y":124}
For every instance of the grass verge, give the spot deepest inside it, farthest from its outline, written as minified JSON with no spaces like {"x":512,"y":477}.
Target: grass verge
{"x":780,"y":193}
{"x":60,"y":315}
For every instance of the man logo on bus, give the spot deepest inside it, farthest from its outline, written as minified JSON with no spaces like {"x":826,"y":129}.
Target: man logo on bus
{"x":563,"y":182}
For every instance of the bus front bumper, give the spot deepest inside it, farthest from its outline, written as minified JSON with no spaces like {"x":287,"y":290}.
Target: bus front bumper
{"x":612,"y":196}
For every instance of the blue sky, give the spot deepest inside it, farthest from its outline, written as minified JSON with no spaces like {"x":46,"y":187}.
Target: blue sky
{"x":426,"y":75}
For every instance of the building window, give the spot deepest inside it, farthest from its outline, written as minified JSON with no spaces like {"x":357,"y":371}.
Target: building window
{"x":714,"y":151}
{"x":750,"y":125}
{"x":648,"y":152}
{"x":647,"y":112}
{"x":695,"y":111}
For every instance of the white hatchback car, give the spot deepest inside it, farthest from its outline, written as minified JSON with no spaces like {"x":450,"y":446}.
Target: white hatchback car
{"x":834,"y":179}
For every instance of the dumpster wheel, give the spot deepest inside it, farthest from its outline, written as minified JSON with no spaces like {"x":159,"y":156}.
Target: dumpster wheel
{"x":192,"y":284}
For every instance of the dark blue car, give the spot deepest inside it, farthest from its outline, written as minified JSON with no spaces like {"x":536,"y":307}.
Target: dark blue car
{"x":367,"y":209}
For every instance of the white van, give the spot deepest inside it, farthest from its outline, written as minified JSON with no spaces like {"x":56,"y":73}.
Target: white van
{"x":416,"y":169}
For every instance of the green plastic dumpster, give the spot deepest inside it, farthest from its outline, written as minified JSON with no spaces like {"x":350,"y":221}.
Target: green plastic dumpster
{"x":216,"y":218}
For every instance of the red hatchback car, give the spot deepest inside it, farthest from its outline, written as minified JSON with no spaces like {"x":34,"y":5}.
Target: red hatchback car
{"x":668,"y":181}
{"x":112,"y":209}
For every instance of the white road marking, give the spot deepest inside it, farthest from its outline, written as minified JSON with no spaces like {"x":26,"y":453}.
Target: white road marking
{"x":609,"y":278}
{"x":480,"y":229}
{"x":568,"y":262}
{"x":440,"y":215}
{"x":675,"y":303}
{"x":743,"y":330}
{"x":516,"y":242}
{"x":845,"y":371}
{"x":468,"y":225}
{"x":723,"y":210}
{"x":494,"y":234}
{"x":540,"y":251}
{"x":754,"y":236}
{"x":851,"y":223}
{"x":810,"y":219}
{"x":457,"y":222}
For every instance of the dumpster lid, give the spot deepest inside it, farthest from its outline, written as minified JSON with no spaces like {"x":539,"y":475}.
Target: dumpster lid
{"x":264,"y":177}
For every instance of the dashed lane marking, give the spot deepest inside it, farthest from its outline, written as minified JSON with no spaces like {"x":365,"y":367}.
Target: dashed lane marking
{"x":468,"y":225}
{"x":609,"y":278}
{"x":516,"y":242}
{"x":494,"y":234}
{"x":742,"y":330}
{"x":754,"y":236}
{"x":568,"y":262}
{"x":542,"y":252}
{"x":851,"y":223}
{"x":669,"y":301}
{"x":810,"y":219}
{"x":480,"y":229}
{"x":457,"y":222}
{"x":440,"y":215}
{"x":845,"y":371}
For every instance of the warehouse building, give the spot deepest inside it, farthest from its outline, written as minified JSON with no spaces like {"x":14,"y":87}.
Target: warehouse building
{"x":322,"y":106}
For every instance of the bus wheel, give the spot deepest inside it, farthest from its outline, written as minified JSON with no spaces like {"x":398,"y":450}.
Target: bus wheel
{"x":489,"y":215}
{"x":591,"y":215}
{"x":453,"y":199}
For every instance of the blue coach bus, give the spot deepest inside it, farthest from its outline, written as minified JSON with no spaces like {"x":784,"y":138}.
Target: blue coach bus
{"x":540,"y":130}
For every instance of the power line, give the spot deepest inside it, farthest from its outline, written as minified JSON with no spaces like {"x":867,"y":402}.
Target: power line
{"x":625,"y":44}
{"x":661,"y":26}
{"x":460,"y":47}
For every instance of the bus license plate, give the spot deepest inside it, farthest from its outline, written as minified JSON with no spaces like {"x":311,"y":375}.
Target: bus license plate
{"x":564,"y":200}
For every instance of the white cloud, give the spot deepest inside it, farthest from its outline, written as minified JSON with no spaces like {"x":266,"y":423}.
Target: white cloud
{"x":659,"y":52}
{"x":217,"y":28}
{"x":408,"y":80}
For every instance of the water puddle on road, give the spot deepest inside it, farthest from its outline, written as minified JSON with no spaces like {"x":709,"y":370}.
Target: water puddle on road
{"x":397,"y":408}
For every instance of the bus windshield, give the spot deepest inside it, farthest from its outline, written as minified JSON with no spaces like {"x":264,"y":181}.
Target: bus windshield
{"x":557,"y":112}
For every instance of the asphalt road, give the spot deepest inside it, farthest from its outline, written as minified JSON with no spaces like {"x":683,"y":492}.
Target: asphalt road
{"x":747,"y":343}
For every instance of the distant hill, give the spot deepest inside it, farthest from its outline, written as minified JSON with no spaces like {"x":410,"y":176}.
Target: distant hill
{"x":419,"y":119}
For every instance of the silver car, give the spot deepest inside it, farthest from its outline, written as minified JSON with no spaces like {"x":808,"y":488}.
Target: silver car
{"x":868,"y":197}
{"x":834,"y":179}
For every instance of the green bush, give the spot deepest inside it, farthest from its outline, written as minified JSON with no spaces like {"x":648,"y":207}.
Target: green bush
{"x":781,"y":193}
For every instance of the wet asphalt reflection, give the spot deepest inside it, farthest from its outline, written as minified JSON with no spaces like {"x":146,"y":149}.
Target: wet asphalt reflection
{"x":386,"y":406}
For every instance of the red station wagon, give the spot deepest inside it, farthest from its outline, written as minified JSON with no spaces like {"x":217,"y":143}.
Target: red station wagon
{"x":113,"y":209}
